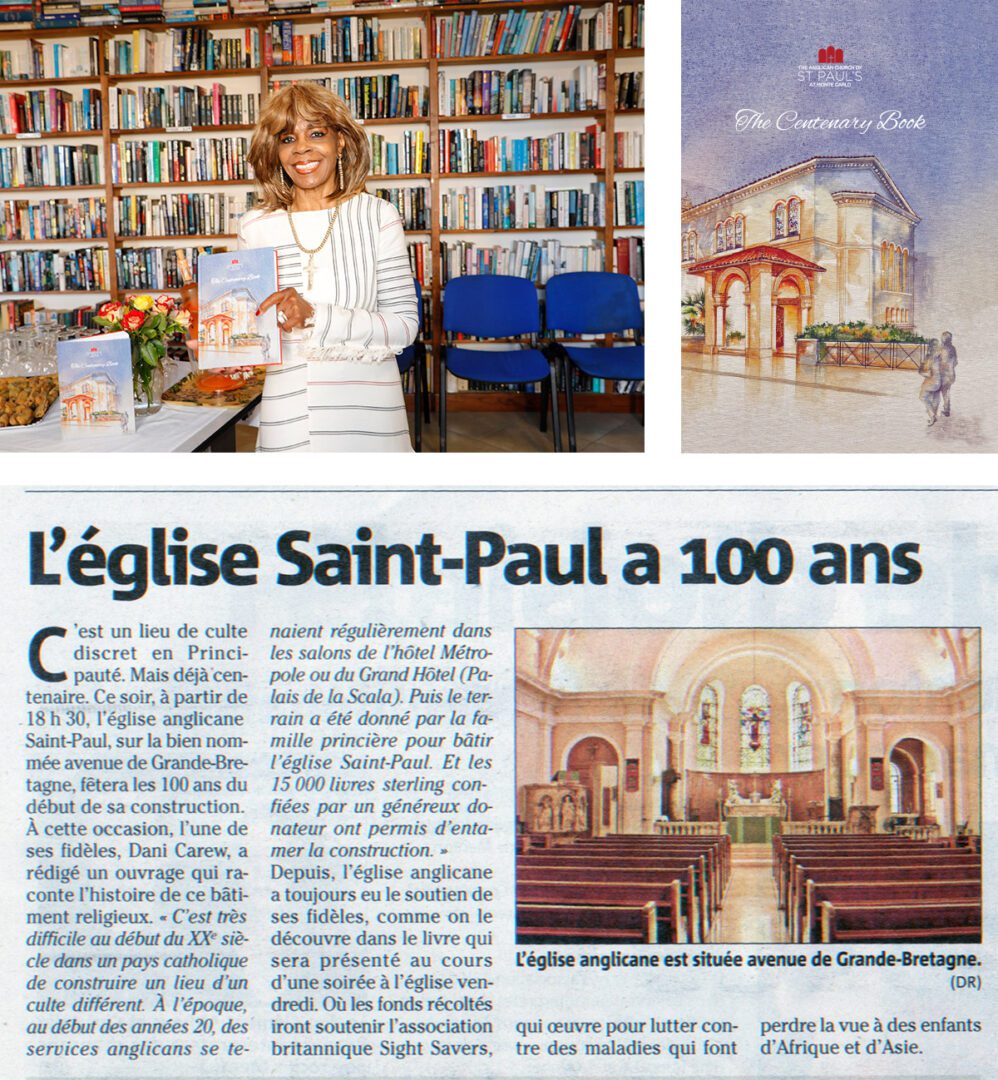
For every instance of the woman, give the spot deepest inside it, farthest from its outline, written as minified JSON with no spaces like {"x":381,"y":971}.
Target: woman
{"x":346,"y":302}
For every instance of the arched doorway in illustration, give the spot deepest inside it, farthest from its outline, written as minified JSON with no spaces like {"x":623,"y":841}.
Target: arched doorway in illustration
{"x":731,"y":311}
{"x":597,"y":764}
{"x":788,"y":293}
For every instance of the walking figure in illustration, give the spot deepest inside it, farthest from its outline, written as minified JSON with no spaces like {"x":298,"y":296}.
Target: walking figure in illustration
{"x":947,"y":353}
{"x":931,"y":372}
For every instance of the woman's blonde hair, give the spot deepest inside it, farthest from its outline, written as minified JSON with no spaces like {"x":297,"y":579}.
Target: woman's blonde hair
{"x":316,"y":104}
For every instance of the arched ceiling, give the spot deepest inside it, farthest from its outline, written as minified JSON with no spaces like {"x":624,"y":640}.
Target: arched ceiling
{"x":678,"y":662}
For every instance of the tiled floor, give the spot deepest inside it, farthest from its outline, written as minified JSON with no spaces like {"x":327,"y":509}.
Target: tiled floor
{"x":750,"y":911}
{"x":513,"y":432}
{"x":733,"y":406}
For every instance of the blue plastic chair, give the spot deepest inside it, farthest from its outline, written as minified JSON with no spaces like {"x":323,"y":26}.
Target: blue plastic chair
{"x":414,"y":356}
{"x":595,"y":302}
{"x":496,"y":306}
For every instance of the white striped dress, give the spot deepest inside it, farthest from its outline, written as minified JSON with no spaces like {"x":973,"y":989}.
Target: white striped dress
{"x":338,"y":388}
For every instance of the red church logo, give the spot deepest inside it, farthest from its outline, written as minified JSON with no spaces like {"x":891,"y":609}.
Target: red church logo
{"x":830,"y":55}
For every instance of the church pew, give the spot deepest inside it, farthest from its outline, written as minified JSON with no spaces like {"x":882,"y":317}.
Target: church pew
{"x":587,"y":894}
{"x":694,"y":888}
{"x":911,"y":923}
{"x":785,"y":846}
{"x":883,"y":892}
{"x":856,"y":843}
{"x":858,"y":873}
{"x":546,"y":924}
{"x":716,"y":850}
{"x":720,"y":844}
{"x":893,"y":849}
{"x":915,"y":858}
{"x":709,"y":883}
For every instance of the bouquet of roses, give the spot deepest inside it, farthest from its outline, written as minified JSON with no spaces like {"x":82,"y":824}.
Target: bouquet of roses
{"x":149,"y":323}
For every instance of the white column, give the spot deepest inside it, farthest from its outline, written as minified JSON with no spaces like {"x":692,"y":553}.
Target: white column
{"x":958,"y":796}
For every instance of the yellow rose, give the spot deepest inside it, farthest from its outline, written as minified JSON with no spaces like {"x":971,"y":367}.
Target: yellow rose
{"x":142,"y":302}
{"x":182,"y":318}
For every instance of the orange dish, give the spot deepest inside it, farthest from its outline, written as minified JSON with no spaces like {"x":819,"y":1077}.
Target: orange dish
{"x":217,"y":383}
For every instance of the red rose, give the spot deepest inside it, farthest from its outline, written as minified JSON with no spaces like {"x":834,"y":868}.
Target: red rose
{"x":133,"y":320}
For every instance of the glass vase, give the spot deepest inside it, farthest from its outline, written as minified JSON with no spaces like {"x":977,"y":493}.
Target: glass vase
{"x":147,"y":384}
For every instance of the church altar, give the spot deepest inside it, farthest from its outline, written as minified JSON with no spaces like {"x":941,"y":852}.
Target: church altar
{"x":754,"y":819}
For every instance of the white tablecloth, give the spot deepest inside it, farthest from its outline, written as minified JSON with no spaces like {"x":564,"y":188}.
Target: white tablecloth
{"x":174,"y":429}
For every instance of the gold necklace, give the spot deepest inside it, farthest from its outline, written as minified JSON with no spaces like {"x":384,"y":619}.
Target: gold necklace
{"x":312,"y":252}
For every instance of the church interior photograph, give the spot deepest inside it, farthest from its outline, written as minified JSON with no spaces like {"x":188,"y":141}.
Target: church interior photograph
{"x":748,"y":785}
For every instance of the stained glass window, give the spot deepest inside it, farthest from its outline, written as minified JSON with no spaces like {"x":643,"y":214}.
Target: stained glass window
{"x":686,"y":241}
{"x":719,"y":237}
{"x":739,"y":231}
{"x":755,"y":744}
{"x":693,"y":245}
{"x":801,"y":728}
{"x":793,"y":217}
{"x":780,"y":221}
{"x":729,"y":233}
{"x":706,"y":728}
{"x":883,"y":265}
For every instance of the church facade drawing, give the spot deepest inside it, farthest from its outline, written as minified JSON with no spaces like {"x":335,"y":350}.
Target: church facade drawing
{"x":827,"y":240}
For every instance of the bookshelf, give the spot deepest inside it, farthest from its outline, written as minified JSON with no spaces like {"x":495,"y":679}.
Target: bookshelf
{"x":155,"y":103}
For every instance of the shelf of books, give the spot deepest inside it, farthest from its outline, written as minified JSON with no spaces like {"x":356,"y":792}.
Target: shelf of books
{"x":508,"y":135}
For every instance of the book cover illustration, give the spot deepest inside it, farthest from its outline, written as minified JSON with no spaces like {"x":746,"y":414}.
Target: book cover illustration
{"x":231,"y":287}
{"x":95,"y":385}
{"x":836,"y":245}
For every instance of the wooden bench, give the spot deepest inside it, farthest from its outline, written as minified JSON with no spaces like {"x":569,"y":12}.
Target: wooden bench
{"x":799,"y":868}
{"x":716,"y":851}
{"x":718,"y":846}
{"x":690,"y":875}
{"x":860,"y":873}
{"x":545,"y":924}
{"x":896,"y":849}
{"x":610,"y":894}
{"x":911,"y":923}
{"x":784,"y":848}
{"x":881,"y":892}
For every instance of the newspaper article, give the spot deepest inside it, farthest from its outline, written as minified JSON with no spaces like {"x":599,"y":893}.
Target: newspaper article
{"x":497,"y":784}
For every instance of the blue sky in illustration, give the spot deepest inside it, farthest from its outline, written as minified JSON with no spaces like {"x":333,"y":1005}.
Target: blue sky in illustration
{"x":935,"y":58}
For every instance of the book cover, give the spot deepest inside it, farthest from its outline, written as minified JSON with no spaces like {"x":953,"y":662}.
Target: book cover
{"x":231,"y":287}
{"x":838,"y":162}
{"x":95,"y":385}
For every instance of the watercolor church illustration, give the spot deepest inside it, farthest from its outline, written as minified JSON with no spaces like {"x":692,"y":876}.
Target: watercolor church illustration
{"x":826,"y":240}
{"x":91,"y":398}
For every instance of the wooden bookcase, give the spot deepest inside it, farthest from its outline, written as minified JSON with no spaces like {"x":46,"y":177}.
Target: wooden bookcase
{"x":436,"y":181}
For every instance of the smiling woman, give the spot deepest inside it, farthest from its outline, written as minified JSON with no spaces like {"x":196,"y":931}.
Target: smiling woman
{"x":346,"y":302}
